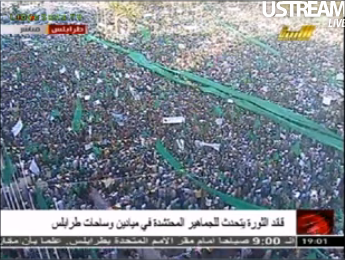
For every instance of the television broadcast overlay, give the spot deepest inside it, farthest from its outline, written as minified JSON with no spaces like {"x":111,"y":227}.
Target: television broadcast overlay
{"x":172,"y":130}
{"x":180,"y":229}
{"x":44,"y":29}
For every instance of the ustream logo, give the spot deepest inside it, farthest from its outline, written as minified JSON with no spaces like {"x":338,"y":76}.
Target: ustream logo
{"x":329,"y":9}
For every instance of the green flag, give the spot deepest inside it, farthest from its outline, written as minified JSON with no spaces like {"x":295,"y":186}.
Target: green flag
{"x":296,"y":148}
{"x":55,"y":113}
{"x":157,"y":104}
{"x":42,"y":204}
{"x":46,"y":87}
{"x":252,"y":136}
{"x":97,"y":151}
{"x":257,"y":124}
{"x":98,"y":118}
{"x":145,"y":34}
{"x":145,"y":134}
{"x":7,"y":168}
{"x":218,"y":111}
{"x":276,"y":156}
{"x":19,"y":75}
{"x":45,"y":156}
{"x":32,"y":148}
{"x":222,"y":177}
{"x":78,"y":113}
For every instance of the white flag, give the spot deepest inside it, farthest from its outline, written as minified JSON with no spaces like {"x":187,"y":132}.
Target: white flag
{"x":34,"y":167}
{"x":63,"y":70}
{"x":17,"y":128}
{"x":219,"y":121}
{"x":173,"y":120}
{"x":326,"y":101}
{"x":180,"y":144}
{"x":2,"y":163}
{"x":99,"y":81}
{"x":88,"y":146}
{"x":340,"y":77}
{"x":134,"y":93}
{"x":142,"y":141}
{"x":212,"y":145}
{"x":77,"y":74}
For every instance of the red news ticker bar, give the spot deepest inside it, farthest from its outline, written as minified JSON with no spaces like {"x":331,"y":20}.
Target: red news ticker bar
{"x":67,"y":29}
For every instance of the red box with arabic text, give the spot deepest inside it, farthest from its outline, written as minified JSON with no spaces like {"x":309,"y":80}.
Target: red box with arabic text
{"x":67,"y":29}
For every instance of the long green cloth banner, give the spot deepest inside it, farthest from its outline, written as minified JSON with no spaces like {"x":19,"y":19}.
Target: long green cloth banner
{"x":285,"y":117}
{"x":239,"y":204}
{"x":252,"y":40}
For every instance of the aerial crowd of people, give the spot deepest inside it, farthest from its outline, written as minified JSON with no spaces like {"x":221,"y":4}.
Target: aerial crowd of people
{"x":108,"y":160}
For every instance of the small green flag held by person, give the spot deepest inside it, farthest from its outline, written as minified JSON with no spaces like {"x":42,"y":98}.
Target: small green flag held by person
{"x":41,"y":202}
{"x":252,"y":136}
{"x":45,"y":156}
{"x":7,"y":168}
{"x":276,"y":156}
{"x":222,"y":177}
{"x":78,"y":113}
{"x":257,"y":124}
{"x":157,"y":104}
{"x":296,"y":149}
{"x":19,"y":75}
{"x":218,"y":111}
{"x":46,"y":87}
{"x":32,"y":148}
{"x":97,"y":151}
{"x":55,"y":114}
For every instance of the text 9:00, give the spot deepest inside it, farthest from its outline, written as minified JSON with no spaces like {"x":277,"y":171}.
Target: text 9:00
{"x":266,"y":241}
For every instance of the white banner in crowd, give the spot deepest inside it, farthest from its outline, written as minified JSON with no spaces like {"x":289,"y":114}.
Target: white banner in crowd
{"x":180,"y":144}
{"x":17,"y":127}
{"x":212,"y":145}
{"x":173,"y":120}
{"x":134,"y":94}
{"x":148,"y":223}
{"x":34,"y":167}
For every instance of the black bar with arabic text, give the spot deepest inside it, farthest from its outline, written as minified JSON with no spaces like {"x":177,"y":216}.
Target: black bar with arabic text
{"x":162,"y":242}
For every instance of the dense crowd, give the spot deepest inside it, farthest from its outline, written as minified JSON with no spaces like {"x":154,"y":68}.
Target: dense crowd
{"x":112,"y":162}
